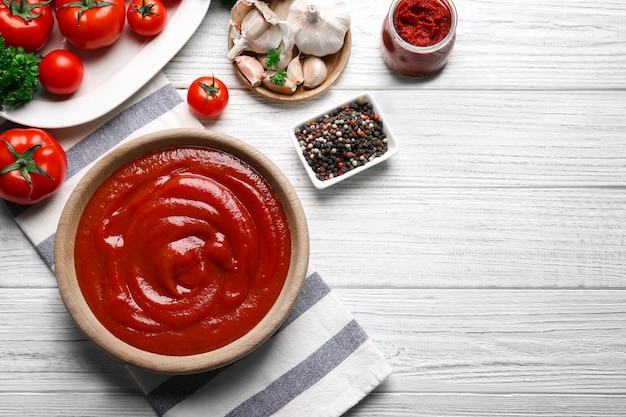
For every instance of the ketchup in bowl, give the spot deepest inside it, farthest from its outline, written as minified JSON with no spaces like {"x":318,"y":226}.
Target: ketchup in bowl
{"x":182,"y":250}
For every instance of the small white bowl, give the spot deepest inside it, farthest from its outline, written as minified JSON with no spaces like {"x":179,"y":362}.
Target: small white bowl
{"x":392,"y":145}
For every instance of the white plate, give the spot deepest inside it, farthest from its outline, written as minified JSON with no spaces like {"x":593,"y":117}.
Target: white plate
{"x":392,"y":144}
{"x":112,"y":74}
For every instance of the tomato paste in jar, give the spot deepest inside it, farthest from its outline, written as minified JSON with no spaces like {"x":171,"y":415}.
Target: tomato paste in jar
{"x":182,"y":250}
{"x":418,"y":36}
{"x":422,"y":22}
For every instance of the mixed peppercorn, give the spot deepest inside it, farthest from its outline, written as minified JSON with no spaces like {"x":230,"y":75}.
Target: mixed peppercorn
{"x":345,"y":139}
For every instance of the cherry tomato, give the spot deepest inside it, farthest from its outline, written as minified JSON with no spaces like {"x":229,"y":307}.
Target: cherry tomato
{"x":146,"y":17}
{"x":207,"y":96}
{"x":26,"y":23}
{"x":61,"y":72}
{"x":91,"y":24}
{"x":32,"y":165}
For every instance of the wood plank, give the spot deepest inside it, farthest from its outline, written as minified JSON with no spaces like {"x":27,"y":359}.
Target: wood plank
{"x":68,"y":404}
{"x":497,"y":341}
{"x":545,"y":139}
{"x":471,"y":405}
{"x":20,"y":264}
{"x":49,"y":380}
{"x":470,"y":238}
{"x":437,"y":341}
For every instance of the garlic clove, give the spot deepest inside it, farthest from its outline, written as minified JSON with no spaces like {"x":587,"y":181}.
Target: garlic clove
{"x":286,"y":47}
{"x":258,"y":31}
{"x":314,"y":71}
{"x":254,"y":25}
{"x":287,"y":43}
{"x":262,"y":36}
{"x":289,"y":87}
{"x":294,"y":71}
{"x":268,"y":41}
{"x":251,"y":68}
{"x":285,"y":59}
{"x":320,"y":26}
{"x":238,"y":12}
{"x":241,"y":9}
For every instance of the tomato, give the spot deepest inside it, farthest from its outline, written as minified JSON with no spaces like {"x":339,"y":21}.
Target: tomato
{"x":61,"y":72}
{"x":26,"y":23}
{"x":146,"y":17}
{"x":207,"y":96}
{"x":91,"y":24}
{"x":32,"y":165}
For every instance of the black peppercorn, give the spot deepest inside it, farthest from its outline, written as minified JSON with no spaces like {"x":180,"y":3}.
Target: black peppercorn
{"x":342,"y":140}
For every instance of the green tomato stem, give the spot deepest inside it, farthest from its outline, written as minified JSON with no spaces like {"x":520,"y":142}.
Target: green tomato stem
{"x":84,"y":5}
{"x":145,"y":9}
{"x":24,"y":10}
{"x":210,"y":90}
{"x":25,"y":163}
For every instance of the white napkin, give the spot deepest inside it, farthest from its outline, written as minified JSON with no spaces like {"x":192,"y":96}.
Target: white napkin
{"x":320,"y":363}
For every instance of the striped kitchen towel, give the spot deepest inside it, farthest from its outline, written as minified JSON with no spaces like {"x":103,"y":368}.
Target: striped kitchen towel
{"x":320,"y":362}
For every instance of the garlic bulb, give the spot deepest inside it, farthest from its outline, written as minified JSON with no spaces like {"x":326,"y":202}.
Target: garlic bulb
{"x":314,"y":71}
{"x":320,"y":26}
{"x":256,"y":30}
{"x":295,"y":73}
{"x":251,"y":68}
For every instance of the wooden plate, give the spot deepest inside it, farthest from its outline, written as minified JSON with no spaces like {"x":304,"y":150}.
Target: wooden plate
{"x":74,"y":299}
{"x":335,"y":64}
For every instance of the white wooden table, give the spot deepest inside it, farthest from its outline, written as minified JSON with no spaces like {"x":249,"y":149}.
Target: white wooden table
{"x":486,"y":259}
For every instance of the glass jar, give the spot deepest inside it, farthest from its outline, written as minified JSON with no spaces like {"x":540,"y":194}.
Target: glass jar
{"x":417,"y":61}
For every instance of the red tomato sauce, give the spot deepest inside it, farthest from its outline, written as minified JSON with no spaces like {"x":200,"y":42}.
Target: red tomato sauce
{"x":422,"y":22}
{"x":182,"y":250}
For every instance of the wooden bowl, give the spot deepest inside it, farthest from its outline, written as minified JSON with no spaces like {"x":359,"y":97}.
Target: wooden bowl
{"x":335,"y":63}
{"x":67,"y":230}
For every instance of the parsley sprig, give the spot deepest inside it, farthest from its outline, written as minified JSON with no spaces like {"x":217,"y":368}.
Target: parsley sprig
{"x":280,"y":77}
{"x":273,"y":59}
{"x":19,"y":75}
